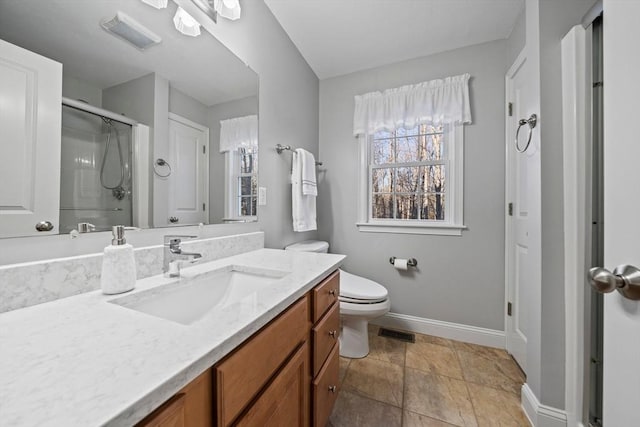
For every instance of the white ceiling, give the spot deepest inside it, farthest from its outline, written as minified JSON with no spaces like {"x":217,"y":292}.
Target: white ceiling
{"x":69,"y":31}
{"x":342,"y":36}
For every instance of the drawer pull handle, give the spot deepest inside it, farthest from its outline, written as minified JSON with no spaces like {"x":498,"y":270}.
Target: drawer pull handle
{"x":332,"y":292}
{"x":333,"y":333}
{"x":332,"y":388}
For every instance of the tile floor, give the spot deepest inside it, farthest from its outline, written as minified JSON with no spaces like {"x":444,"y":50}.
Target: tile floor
{"x":434,"y":382}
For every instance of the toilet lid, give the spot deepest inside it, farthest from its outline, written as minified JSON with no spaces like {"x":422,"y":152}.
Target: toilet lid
{"x":358,"y":289}
{"x":309,"y":246}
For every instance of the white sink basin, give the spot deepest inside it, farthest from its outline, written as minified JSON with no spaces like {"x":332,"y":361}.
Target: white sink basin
{"x":195,"y":295}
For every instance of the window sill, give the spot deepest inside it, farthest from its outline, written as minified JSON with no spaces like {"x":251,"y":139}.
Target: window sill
{"x":411,"y":228}
{"x":240,"y":219}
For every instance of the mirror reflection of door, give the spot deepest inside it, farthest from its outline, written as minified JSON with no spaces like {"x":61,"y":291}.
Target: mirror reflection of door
{"x":189,"y":180}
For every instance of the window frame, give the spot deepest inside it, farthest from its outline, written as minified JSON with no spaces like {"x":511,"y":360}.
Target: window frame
{"x":232,"y":195}
{"x":454,"y":177}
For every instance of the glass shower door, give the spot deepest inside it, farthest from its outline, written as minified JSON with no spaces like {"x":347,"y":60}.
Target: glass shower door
{"x":96,"y":179}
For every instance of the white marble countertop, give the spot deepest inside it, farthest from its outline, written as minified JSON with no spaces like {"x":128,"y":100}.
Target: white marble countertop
{"x":82,"y":361}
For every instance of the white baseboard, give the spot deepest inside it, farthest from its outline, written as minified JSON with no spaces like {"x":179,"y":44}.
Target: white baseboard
{"x":438,"y":328}
{"x":541,"y":415}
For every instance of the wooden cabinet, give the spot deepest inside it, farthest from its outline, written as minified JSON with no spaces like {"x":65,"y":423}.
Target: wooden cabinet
{"x":325,"y":295}
{"x":325,"y":389}
{"x":267,"y":381}
{"x":326,"y":354}
{"x":286,"y":374}
{"x":190,"y":407}
{"x":285,"y":402}
{"x":242,"y":375}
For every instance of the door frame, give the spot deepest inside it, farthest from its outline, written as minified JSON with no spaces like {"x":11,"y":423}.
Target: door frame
{"x":508,"y":189}
{"x":577,"y":146}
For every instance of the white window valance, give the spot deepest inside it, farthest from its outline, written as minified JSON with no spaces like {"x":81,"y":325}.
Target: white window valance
{"x":442,"y":101}
{"x":238,"y":132}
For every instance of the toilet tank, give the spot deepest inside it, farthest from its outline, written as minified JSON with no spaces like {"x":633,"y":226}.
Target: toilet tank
{"x":309,"y":246}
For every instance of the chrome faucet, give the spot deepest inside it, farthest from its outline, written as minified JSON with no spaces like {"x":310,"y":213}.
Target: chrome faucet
{"x":175,"y":257}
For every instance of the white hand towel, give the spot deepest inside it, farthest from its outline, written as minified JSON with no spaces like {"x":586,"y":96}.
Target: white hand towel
{"x":303,"y":206}
{"x":309,"y":184}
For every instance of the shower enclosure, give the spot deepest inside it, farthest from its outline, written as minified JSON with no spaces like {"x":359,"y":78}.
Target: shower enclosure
{"x":96,"y":168}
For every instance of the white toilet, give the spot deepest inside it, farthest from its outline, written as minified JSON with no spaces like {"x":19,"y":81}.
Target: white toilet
{"x":361,"y":300}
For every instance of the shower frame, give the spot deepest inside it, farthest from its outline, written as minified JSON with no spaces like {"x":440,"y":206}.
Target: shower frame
{"x":140,"y":159}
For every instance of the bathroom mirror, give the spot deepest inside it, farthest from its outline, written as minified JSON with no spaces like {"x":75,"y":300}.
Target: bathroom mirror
{"x":141,"y":128}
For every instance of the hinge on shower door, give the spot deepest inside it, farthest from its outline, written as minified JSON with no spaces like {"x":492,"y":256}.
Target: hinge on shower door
{"x":510,"y":109}
{"x":204,"y":207}
{"x":510,"y":209}
{"x":509,"y":309}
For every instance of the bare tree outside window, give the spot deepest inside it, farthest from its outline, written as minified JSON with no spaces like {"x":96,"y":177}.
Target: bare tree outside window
{"x":407,"y":174}
{"x":247,"y":181}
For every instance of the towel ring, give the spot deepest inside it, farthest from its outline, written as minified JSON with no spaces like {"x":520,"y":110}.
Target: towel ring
{"x":531,"y":121}
{"x":161,"y":162}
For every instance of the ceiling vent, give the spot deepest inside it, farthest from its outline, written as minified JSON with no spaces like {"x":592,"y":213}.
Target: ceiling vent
{"x":130,"y":30}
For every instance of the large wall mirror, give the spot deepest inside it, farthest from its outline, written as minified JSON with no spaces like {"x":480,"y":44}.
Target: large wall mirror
{"x":161,"y":136}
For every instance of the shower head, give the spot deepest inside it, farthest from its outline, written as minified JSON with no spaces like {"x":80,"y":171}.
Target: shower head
{"x":130,"y":30}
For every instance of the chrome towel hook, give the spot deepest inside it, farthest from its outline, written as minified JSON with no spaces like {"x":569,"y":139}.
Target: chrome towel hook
{"x":531,"y":121}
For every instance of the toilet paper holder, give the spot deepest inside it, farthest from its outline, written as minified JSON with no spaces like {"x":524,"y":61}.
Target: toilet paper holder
{"x":411,"y":262}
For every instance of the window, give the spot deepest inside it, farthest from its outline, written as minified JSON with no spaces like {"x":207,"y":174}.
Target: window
{"x":242,"y":167}
{"x":412,"y":180}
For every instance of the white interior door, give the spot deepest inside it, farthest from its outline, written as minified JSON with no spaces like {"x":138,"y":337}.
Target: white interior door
{"x":517,"y":232}
{"x":30,"y":129}
{"x":621,"y":388}
{"x":189,"y":180}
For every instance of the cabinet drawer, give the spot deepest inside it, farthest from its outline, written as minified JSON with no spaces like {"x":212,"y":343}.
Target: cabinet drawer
{"x":242,"y":375}
{"x":325,"y":389}
{"x":285,"y":402}
{"x":325,"y":294}
{"x":325,"y":336}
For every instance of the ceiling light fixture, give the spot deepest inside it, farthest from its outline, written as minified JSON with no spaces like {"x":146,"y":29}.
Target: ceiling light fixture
{"x":158,"y":4}
{"x":126,"y":28}
{"x":186,"y":23}
{"x":229,"y":9}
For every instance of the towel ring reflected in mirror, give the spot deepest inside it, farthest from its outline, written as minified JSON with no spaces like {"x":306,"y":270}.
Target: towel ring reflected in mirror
{"x":532,"y":121}
{"x":161,"y":163}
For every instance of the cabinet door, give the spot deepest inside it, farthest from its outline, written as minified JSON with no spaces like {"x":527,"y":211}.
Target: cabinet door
{"x":171,"y":414}
{"x":285,"y":402}
{"x":241,"y":376}
{"x":30,"y":123}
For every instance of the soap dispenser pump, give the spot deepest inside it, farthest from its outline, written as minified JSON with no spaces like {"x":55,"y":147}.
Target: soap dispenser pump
{"x":118,"y":265}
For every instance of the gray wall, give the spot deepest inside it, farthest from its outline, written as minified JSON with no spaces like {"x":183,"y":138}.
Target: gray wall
{"x":288,"y":110}
{"x":134,"y":99}
{"x":79,"y":89}
{"x":187,"y":107}
{"x":226,"y":110}
{"x":556,"y":19}
{"x":460,"y":279}
{"x":517,"y":39}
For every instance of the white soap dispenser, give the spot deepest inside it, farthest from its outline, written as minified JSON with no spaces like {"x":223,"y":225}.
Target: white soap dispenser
{"x":118,"y":265}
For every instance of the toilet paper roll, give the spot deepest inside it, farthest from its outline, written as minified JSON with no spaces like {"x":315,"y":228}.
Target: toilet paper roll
{"x":401,"y":264}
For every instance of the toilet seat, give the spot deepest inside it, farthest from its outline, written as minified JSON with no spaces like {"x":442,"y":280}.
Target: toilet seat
{"x":359,"y":290}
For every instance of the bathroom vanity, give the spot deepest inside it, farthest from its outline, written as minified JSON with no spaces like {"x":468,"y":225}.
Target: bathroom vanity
{"x":265,"y":357}
{"x":275,"y":391}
